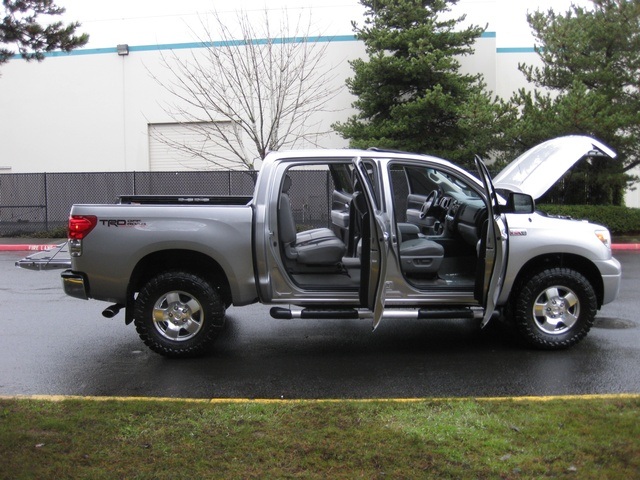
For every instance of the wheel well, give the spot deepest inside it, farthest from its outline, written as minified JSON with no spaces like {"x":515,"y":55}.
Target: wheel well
{"x":184,"y":260}
{"x":567,"y":260}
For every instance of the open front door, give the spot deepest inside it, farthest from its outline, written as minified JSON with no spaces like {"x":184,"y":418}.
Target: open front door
{"x":375,"y":247}
{"x":492,"y":254}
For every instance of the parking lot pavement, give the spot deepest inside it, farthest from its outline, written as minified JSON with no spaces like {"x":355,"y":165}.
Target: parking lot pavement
{"x":56,"y":345}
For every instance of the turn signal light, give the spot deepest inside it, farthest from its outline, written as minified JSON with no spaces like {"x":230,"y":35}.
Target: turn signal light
{"x":604,"y":236}
{"x":81,"y":225}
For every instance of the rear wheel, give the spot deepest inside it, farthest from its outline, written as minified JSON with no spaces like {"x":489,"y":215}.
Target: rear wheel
{"x":555,"y":308}
{"x":178,"y":314}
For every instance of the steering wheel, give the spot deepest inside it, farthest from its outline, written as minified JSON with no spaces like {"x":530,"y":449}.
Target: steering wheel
{"x":428,"y":204}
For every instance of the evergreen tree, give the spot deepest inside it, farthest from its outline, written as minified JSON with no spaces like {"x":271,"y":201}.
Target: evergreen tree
{"x":589,"y":73}
{"x":411,"y":94}
{"x":21,"y":26}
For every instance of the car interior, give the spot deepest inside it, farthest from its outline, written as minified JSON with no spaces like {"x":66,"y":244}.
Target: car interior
{"x":439,"y":220}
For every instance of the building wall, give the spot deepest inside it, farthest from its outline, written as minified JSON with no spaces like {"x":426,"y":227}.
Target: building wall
{"x":89,"y":111}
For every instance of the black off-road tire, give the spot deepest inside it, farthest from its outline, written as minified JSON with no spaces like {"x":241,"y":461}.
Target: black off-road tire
{"x":178,"y":314}
{"x":554,"y":309}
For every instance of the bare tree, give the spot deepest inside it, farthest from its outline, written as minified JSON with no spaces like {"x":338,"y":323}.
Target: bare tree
{"x":249,"y":95}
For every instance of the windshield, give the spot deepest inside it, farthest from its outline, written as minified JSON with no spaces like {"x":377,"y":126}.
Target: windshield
{"x":423,"y":180}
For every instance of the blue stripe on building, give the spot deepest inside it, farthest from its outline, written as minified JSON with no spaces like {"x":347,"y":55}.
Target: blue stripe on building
{"x":259,"y":41}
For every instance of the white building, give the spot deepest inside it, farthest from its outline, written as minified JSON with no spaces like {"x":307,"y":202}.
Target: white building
{"x":96,"y":109}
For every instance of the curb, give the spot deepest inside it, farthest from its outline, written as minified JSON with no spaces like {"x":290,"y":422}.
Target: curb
{"x":301,"y":401}
{"x":625,"y":246}
{"x":26,"y":248}
{"x":44,"y":247}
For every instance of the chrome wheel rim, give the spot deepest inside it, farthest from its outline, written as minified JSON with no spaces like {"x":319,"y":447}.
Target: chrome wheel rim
{"x":556,"y":310}
{"x":177,"y":316}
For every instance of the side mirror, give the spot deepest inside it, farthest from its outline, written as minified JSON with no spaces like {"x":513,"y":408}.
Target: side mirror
{"x":519,"y":203}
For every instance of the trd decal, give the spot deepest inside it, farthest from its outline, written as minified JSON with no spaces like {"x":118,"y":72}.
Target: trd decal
{"x":121,"y":223}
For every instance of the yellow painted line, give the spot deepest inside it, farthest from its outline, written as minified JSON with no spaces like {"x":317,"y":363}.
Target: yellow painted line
{"x":546,"y":398}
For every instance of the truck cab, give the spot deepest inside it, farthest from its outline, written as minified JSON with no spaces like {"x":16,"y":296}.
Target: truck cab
{"x":414,"y":236}
{"x":405,"y":231}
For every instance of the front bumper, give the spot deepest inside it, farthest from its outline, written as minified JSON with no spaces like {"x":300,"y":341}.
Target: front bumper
{"x":75,"y":284}
{"x":611,"y":272}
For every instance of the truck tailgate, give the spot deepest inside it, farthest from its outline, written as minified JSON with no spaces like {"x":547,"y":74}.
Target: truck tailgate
{"x":56,"y":258}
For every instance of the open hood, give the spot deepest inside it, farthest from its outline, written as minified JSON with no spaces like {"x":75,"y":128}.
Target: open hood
{"x":538,"y":169}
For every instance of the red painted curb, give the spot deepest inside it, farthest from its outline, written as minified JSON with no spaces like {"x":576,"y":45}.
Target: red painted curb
{"x":625,"y":246}
{"x":27,"y":248}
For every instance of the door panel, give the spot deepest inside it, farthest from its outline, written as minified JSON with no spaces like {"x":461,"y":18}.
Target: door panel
{"x":492,"y":262}
{"x":375,"y":249}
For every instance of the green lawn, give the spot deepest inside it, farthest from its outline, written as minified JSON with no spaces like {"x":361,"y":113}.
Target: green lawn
{"x":581,"y":437}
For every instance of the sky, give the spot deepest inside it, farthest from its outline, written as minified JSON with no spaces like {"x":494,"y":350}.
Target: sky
{"x":153,"y":22}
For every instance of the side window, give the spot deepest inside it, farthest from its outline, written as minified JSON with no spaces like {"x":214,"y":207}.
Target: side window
{"x":319,"y":195}
{"x":374,"y":182}
{"x":307,"y":188}
{"x":342,"y":175}
{"x":422,"y":181}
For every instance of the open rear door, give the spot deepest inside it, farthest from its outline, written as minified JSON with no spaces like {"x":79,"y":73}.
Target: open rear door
{"x":492,"y":257}
{"x":375,"y":248}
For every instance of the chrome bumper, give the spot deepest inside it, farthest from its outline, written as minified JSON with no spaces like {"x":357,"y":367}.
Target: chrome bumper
{"x":75,"y":284}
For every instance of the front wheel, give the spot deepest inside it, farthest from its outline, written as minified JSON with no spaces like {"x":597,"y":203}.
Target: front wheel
{"x":178,"y":314}
{"x":555,"y":308}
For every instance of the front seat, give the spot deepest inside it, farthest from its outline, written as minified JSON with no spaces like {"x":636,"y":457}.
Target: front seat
{"x":418,"y":255}
{"x":319,"y":246}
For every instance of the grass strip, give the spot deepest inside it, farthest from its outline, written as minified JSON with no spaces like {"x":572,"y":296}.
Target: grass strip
{"x":468,"y":438}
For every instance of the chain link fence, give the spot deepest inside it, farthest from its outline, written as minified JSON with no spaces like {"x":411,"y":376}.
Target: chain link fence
{"x":40,"y":202}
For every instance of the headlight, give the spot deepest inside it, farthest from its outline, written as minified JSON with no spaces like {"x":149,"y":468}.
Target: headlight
{"x":604,"y":236}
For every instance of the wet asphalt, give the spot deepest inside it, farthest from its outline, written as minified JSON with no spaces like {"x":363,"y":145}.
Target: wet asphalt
{"x":51,"y":344}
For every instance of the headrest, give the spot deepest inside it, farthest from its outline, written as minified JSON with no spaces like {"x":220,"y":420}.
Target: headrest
{"x":287,"y":184}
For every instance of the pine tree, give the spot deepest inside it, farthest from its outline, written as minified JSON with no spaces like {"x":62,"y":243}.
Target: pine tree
{"x":21,"y":26}
{"x":589,"y":76}
{"x":410,"y":92}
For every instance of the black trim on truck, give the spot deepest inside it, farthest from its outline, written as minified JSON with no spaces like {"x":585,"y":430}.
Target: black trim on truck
{"x":183,"y":200}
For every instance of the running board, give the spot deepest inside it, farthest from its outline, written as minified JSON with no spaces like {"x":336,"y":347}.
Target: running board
{"x":288,"y":314}
{"x":351,"y":313}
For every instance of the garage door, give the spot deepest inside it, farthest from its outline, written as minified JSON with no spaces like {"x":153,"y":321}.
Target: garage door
{"x":186,"y":146}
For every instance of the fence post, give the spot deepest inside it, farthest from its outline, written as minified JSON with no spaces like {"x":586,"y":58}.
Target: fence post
{"x":46,"y":203}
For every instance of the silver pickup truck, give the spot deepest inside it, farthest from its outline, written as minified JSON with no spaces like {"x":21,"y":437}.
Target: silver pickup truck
{"x":404,"y":236}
